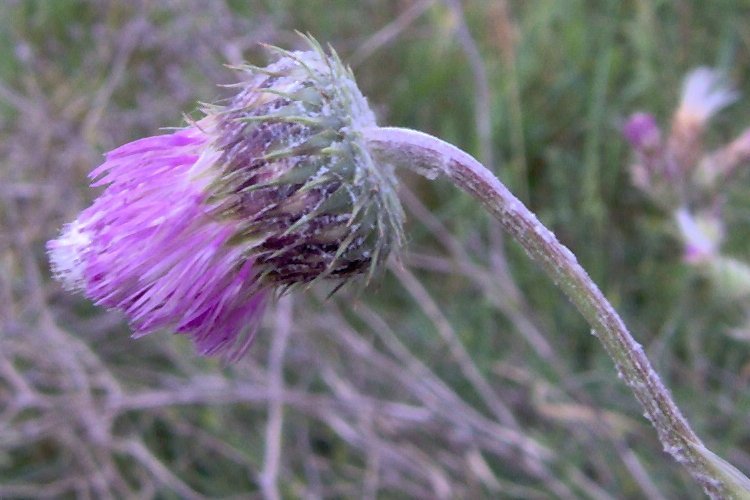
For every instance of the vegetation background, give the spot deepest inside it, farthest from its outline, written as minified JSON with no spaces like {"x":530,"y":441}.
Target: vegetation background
{"x":464,"y":373}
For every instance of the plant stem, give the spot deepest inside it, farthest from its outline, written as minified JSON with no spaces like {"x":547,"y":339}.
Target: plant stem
{"x":432,"y":157}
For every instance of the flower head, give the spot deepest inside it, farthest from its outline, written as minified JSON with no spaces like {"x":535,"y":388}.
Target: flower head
{"x":642,"y":132}
{"x":275,"y":188}
{"x":704,"y":93}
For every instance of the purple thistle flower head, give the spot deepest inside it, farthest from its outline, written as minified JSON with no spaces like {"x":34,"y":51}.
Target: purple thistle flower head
{"x":642,"y":132}
{"x":197,"y":229}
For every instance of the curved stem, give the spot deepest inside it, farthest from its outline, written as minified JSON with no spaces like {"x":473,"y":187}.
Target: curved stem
{"x":433,"y":157}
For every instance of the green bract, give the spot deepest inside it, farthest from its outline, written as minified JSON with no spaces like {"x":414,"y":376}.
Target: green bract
{"x":309,"y":199}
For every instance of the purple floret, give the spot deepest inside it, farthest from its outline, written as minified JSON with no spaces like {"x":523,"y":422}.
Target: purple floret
{"x":148,"y":247}
{"x":642,"y":131}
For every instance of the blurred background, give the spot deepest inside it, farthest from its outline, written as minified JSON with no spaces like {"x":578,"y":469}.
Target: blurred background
{"x":463,"y":373}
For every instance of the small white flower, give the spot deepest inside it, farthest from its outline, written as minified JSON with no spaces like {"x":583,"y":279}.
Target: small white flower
{"x":701,"y":233}
{"x":705,"y":92}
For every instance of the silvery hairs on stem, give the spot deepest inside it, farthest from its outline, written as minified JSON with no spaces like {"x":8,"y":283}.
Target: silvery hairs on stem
{"x":289,"y":183}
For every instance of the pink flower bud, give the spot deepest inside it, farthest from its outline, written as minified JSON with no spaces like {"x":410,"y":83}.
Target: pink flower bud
{"x":642,"y":132}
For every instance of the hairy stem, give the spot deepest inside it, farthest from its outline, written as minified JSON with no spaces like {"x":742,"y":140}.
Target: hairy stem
{"x":432,"y":157}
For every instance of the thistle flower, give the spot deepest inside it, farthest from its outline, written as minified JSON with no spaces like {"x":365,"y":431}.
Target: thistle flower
{"x":642,"y":132}
{"x":278,"y":188}
{"x":675,"y":171}
{"x":644,"y":135}
{"x":197,"y":229}
{"x":704,"y":93}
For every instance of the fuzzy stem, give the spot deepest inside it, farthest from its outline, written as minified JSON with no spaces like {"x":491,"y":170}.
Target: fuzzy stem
{"x":433,"y":157}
